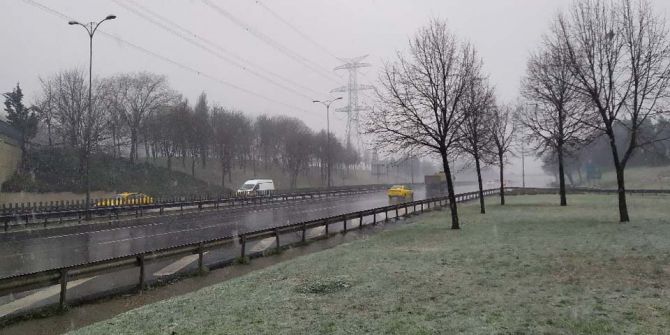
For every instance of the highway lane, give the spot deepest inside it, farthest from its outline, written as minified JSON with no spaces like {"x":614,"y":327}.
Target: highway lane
{"x":47,"y":252}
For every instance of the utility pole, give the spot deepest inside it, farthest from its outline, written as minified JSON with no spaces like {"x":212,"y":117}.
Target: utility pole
{"x":327,"y":104}
{"x":90,"y":29}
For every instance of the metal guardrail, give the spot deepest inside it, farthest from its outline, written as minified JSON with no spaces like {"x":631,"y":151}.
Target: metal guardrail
{"x":39,"y":216}
{"x":25,"y":282}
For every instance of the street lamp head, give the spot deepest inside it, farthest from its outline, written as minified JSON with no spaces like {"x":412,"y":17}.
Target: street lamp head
{"x":316,"y":101}
{"x":73,"y":22}
{"x":110,"y":17}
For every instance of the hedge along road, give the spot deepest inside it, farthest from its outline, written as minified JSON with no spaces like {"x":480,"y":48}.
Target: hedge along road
{"x":28,"y":254}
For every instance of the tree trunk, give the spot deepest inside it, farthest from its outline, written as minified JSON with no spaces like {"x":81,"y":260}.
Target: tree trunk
{"x":133,"y":146}
{"x":482,"y":208}
{"x":450,"y":193}
{"x":502,"y":178}
{"x":223,"y":174}
{"x":623,"y":207}
{"x":147,"y":154}
{"x":621,"y":189}
{"x":561,"y":176}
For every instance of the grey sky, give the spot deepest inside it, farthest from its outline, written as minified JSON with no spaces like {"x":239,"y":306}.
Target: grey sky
{"x":36,"y":43}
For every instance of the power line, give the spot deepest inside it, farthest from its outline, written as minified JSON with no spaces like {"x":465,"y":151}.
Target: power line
{"x":271,"y":42}
{"x":205,"y":48}
{"x":168,"y":60}
{"x":297,"y":31}
{"x":226,"y":51}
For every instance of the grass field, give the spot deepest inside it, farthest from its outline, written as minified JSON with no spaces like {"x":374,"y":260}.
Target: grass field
{"x":526,"y":268}
{"x":657,"y":177}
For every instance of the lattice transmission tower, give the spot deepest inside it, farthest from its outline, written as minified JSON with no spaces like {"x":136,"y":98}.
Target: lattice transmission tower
{"x":352,"y":88}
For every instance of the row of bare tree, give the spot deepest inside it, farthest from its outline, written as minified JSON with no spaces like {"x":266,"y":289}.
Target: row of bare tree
{"x":139,"y":111}
{"x":603,"y":69}
{"x":436,"y":100}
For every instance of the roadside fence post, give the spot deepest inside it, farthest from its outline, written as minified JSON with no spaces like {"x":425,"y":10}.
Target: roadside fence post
{"x":304,"y":232}
{"x":243,"y":242}
{"x":140,"y":261}
{"x":63,"y":289}
{"x":201,"y":267}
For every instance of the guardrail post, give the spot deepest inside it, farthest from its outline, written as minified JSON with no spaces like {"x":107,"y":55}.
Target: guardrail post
{"x":201,"y":267}
{"x":360,"y":221}
{"x":326,"y":224}
{"x":63,"y":289}
{"x":140,"y":262}
{"x":345,"y":223}
{"x":374,"y":218}
{"x":243,"y":242}
{"x":396,"y":212}
{"x":422,"y":207}
{"x":304,"y":232}
{"x":277,"y":238}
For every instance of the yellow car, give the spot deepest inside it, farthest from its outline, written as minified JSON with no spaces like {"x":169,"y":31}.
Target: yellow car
{"x":400,"y":191}
{"x":126,"y":199}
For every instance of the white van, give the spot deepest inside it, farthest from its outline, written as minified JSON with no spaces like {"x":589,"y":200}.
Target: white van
{"x":256,"y":185}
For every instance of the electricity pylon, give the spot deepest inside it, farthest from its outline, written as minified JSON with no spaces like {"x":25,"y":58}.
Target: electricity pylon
{"x":353,"y":107}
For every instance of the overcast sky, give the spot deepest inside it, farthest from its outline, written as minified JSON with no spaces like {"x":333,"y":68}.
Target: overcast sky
{"x":254,"y":35}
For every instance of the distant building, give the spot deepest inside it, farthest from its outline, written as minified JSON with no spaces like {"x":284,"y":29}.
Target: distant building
{"x":10,"y":150}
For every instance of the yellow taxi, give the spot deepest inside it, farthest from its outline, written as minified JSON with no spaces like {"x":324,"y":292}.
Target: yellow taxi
{"x":400,"y":191}
{"x":125,"y":199}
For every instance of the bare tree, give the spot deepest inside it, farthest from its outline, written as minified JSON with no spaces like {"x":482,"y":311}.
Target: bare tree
{"x":502,"y":131}
{"x":82,"y":129}
{"x":475,"y":129}
{"x":419,"y":99}
{"x":559,"y":121}
{"x":297,"y":148}
{"x":202,"y":129}
{"x":136,"y":97}
{"x":619,"y":55}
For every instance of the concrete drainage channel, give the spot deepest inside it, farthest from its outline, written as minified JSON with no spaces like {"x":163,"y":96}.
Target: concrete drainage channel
{"x":44,"y":292}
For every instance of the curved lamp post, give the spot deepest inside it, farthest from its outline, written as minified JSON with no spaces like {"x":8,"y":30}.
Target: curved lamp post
{"x":91,"y":28}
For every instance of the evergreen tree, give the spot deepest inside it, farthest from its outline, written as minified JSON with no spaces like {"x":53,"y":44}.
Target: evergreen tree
{"x":22,"y":118}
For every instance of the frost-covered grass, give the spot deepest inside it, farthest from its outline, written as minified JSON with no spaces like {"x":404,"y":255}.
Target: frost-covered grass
{"x":639,"y":178}
{"x":528,"y":267}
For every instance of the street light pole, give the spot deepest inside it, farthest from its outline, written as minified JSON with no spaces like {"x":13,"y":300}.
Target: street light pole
{"x":90,"y":29}
{"x":327,"y":104}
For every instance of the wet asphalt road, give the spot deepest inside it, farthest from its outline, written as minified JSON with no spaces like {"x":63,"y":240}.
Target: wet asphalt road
{"x":33,"y":254}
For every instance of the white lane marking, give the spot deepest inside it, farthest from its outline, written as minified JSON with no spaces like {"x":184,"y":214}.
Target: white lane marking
{"x":176,"y":266}
{"x":44,"y":294}
{"x":263,"y":244}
